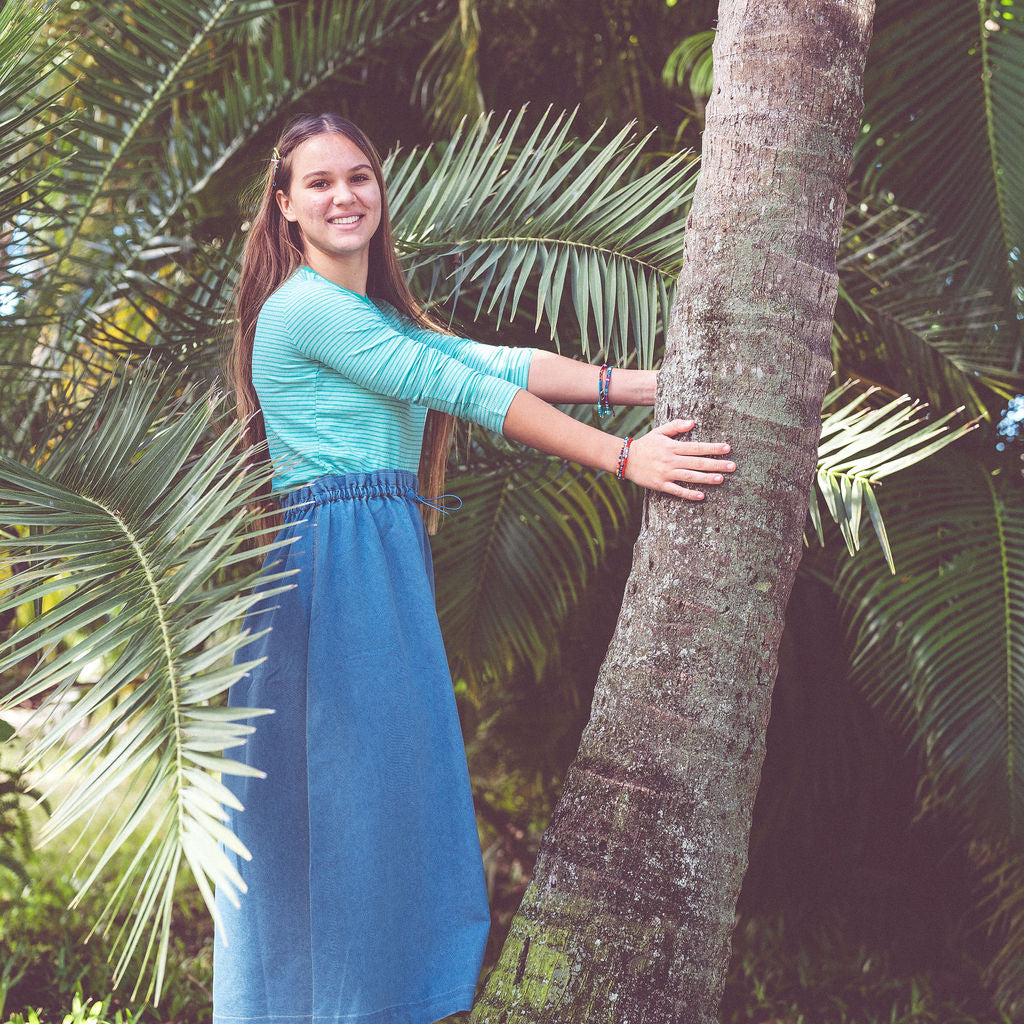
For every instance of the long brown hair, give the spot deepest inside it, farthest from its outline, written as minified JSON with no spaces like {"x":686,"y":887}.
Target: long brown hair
{"x":273,"y":252}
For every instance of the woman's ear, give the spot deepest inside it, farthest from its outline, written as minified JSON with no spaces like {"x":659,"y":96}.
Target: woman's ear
{"x":285,"y":205}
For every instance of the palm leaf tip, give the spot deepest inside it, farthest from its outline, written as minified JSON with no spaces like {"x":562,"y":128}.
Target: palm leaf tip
{"x":860,"y":446}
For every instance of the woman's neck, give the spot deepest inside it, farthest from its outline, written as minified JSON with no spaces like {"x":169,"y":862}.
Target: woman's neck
{"x":350,"y":274}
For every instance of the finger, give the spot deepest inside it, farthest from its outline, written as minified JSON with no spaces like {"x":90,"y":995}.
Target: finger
{"x":683,"y":492}
{"x":692,"y":477}
{"x":701,"y":448}
{"x":674,"y":427}
{"x":709,"y":465}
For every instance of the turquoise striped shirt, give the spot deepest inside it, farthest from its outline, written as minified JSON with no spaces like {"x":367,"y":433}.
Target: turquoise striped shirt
{"x":345,"y":382}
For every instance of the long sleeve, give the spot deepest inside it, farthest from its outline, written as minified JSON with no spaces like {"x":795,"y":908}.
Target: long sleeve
{"x":344,"y":385}
{"x":504,"y":361}
{"x":348,"y":333}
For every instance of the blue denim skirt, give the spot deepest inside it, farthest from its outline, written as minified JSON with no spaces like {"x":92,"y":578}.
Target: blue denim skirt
{"x":365,"y":893}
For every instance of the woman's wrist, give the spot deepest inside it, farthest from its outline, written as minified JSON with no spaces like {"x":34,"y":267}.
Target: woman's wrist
{"x":632,"y":387}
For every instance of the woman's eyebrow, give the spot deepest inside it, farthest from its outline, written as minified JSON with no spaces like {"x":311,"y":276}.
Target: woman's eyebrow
{"x":327,"y":174}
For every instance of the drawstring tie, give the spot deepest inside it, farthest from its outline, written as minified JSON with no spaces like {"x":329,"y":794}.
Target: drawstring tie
{"x":443,"y":503}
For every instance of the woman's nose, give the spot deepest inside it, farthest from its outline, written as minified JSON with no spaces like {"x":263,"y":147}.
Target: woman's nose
{"x":342,"y":194}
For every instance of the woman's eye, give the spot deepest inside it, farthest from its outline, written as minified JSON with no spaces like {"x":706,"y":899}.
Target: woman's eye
{"x":318,"y":183}
{"x":360,"y":178}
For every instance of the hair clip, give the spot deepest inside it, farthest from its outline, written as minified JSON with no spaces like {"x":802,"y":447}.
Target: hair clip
{"x":277,"y":162}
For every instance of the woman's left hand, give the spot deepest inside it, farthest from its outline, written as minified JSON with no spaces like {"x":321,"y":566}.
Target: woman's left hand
{"x":661,"y":462}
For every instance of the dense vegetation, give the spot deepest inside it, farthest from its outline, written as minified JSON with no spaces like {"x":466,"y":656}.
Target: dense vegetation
{"x":887,"y":875}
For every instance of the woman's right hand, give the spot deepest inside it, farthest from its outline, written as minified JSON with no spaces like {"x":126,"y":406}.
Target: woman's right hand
{"x":661,"y":462}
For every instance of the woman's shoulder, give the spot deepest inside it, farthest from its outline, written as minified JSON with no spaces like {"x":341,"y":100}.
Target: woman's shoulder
{"x":304,"y":285}
{"x":390,"y":313}
{"x":305,"y":293}
{"x":402,"y":322}
{"x":309,"y":305}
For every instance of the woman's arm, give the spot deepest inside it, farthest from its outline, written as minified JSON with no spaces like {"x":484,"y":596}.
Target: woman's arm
{"x":551,"y":377}
{"x":657,"y":460}
{"x":558,"y":379}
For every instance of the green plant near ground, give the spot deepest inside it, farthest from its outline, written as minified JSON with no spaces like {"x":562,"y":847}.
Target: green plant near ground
{"x":50,"y":957}
{"x":48,"y":961}
{"x":15,"y":827}
{"x":824,"y":978}
{"x":83,"y":1011}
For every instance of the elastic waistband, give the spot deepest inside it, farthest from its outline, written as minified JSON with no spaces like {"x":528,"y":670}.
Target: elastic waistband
{"x":381,"y":483}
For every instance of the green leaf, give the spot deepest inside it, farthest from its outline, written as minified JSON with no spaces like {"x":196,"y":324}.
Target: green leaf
{"x":860,"y":446}
{"x":900,"y":321}
{"x":940,"y":645}
{"x":529,"y":539}
{"x":694,"y":53}
{"x":137,"y":450}
{"x":447,"y":84}
{"x":573,"y":218}
{"x":960,"y":168}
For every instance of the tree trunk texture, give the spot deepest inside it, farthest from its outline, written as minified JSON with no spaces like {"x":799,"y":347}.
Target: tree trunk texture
{"x":631,"y":909}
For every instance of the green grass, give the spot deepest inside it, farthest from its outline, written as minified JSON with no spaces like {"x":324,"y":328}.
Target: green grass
{"x":824,"y":978}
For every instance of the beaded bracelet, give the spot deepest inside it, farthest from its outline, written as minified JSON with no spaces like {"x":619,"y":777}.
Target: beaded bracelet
{"x":620,"y":471}
{"x":604,"y":382}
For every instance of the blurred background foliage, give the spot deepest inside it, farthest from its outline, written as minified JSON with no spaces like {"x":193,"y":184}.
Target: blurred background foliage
{"x":887,"y":869}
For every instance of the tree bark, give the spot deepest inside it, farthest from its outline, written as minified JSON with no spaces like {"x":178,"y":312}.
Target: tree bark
{"x":631,"y":909}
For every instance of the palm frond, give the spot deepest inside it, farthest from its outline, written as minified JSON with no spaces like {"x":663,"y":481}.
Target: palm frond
{"x":860,"y":446}
{"x":1001,"y":866}
{"x":693,"y":54}
{"x":127,"y":552}
{"x":27,"y":140}
{"x":572,"y":218}
{"x":940,"y":645}
{"x":447,"y":83}
{"x":176,"y":317}
{"x":129,"y":63}
{"x":252,"y":21}
{"x":928,"y":60}
{"x":899,"y":321}
{"x":1002,"y":39}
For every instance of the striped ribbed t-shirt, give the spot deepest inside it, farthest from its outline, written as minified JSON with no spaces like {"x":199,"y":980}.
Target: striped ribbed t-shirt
{"x":345,"y":382}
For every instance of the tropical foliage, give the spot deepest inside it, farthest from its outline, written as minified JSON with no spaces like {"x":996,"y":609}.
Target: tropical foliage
{"x":964,"y":545}
{"x":129,"y":127}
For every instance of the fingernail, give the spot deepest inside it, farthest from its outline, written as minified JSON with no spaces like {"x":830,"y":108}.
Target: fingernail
{"x":726,"y":448}
{"x":718,"y":479}
{"x":730,"y":465}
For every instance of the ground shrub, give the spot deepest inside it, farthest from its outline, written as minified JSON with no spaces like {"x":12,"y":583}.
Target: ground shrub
{"x":824,"y":978}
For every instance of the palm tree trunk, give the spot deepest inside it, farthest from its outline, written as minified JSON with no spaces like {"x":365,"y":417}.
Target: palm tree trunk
{"x":631,"y":908}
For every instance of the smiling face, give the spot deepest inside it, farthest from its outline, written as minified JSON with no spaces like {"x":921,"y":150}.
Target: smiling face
{"x":334,"y":199}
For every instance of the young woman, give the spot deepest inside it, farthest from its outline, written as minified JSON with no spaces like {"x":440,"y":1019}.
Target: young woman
{"x":365,"y":895}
